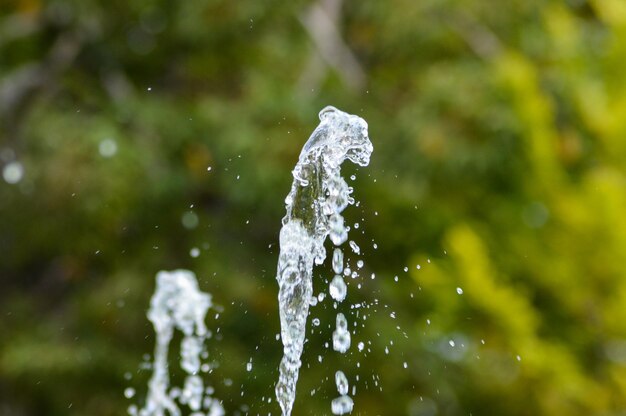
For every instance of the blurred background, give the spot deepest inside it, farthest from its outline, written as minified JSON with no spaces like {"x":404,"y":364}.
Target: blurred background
{"x":137,"y":136}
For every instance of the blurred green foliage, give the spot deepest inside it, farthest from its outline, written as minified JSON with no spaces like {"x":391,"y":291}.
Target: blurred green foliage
{"x":499,"y":169}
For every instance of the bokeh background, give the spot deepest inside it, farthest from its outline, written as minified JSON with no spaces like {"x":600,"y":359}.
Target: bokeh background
{"x":132,"y":132}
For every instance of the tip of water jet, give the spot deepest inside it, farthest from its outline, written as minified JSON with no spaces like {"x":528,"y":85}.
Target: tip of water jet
{"x":326,"y":111}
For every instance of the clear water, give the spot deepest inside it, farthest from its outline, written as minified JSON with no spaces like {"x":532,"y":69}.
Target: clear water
{"x":177,"y":303}
{"x":318,"y":196}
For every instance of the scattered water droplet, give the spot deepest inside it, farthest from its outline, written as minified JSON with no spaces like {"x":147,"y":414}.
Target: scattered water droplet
{"x":129,"y":392}
{"x":342,"y":405}
{"x":355,"y":248}
{"x":190,"y":220}
{"x":337,"y":261}
{"x":342,"y":383}
{"x":13,"y":172}
{"x":341,"y":336}
{"x":107,"y":148}
{"x":338,"y":289}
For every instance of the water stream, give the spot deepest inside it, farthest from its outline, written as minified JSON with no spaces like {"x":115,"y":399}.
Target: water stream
{"x":318,"y":196}
{"x":177,"y":303}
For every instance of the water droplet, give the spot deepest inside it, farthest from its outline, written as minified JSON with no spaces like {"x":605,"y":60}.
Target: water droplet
{"x":342,"y":405}
{"x":337,"y":261}
{"x":194,"y":252}
{"x":355,"y":248}
{"x":129,"y":392}
{"x":249,"y":367}
{"x":190,"y":220}
{"x":342,"y":383}
{"x":13,"y":172}
{"x":341,"y":336}
{"x":107,"y":148}
{"x":459,"y":290}
{"x":338,"y":289}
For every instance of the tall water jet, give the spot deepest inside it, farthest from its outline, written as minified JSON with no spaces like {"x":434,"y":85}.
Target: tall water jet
{"x":318,"y":196}
{"x":177,"y":303}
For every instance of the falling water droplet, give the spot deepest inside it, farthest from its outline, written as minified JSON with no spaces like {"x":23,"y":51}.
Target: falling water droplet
{"x":342,"y":405}
{"x":337,"y":288}
{"x":341,"y":336}
{"x":342,"y":383}
{"x":337,"y":260}
{"x":107,"y":148}
{"x":13,"y":172}
{"x":355,"y":248}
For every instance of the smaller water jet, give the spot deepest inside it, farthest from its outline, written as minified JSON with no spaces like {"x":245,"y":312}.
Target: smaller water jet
{"x":178,"y":303}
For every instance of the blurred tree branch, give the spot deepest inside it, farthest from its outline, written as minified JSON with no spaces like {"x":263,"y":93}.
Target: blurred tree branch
{"x":20,"y":89}
{"x":321,"y":21}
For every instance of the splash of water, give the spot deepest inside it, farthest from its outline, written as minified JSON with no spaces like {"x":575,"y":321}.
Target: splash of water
{"x":318,"y":196}
{"x":177,"y":303}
